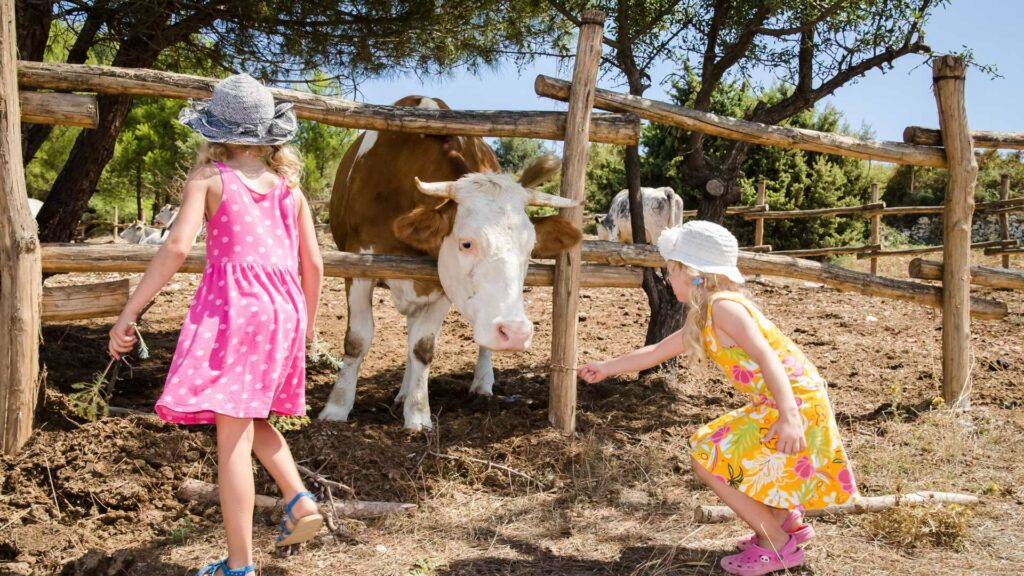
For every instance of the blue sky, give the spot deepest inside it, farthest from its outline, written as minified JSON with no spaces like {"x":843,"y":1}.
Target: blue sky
{"x":885,"y":102}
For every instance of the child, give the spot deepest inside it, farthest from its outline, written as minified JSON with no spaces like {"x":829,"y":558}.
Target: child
{"x":781,"y":452}
{"x":241,"y":352}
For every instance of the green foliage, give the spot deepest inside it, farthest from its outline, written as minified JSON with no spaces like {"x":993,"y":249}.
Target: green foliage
{"x":288,"y":423}
{"x":426,"y":567}
{"x":796,"y":179}
{"x":91,"y":399}
{"x":606,"y":175}
{"x":514,"y":153}
{"x":321,"y":146}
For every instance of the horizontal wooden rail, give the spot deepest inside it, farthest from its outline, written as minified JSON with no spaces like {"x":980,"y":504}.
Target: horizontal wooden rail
{"x":62,"y":303}
{"x":980,"y":275}
{"x":747,"y":131}
{"x":998,"y":244}
{"x":901,"y":210}
{"x":982,"y":139}
{"x":808,"y":252}
{"x":606,"y":128}
{"x":78,"y":110}
{"x":61,"y":258}
{"x":734,"y":210}
{"x":863,"y":210}
{"x":997,"y":251}
{"x":785,"y":266}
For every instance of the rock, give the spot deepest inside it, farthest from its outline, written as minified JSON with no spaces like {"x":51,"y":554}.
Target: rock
{"x":871,"y":319}
{"x":380,"y":548}
{"x":15,"y":568}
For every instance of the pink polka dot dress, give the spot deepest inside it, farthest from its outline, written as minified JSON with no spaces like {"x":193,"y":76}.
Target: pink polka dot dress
{"x":241,"y":351}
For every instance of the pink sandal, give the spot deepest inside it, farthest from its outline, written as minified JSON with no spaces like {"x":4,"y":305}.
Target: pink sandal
{"x":802,"y":534}
{"x":755,"y":560}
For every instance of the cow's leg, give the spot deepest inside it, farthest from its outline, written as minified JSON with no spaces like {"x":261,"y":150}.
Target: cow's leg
{"x":483,"y":376}
{"x":358,"y":336}
{"x":424,"y":323}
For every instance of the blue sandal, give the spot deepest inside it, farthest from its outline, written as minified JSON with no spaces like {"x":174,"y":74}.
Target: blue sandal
{"x":303,"y":529}
{"x":211,"y":569}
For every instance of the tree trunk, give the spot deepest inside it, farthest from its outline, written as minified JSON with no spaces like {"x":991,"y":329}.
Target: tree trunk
{"x":138,"y":192}
{"x":34,"y":18}
{"x":77,"y":180}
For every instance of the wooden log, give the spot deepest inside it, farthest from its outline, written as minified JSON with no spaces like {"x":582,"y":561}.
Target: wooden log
{"x":980,"y":275}
{"x":864,"y":505}
{"x":759,"y":222}
{"x":20,"y":278}
{"x":61,"y":258}
{"x":70,"y":258}
{"x":1004,"y":218}
{"x":902,"y":210}
{"x":982,"y":138}
{"x":565,"y":299}
{"x":775,"y":265}
{"x":606,"y":128}
{"x":1002,"y":204}
{"x":757,"y":249}
{"x":876,"y":227}
{"x":114,"y":226}
{"x":948,"y":76}
{"x":808,"y":252}
{"x":99,"y":300}
{"x":818,"y":212}
{"x":192,"y":490}
{"x":751,"y":132}
{"x":997,"y":244}
{"x":733,"y":210}
{"x":58,"y":108}
{"x":1003,"y":251}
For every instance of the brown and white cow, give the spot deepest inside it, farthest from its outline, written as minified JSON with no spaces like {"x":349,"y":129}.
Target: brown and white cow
{"x":444,"y":196}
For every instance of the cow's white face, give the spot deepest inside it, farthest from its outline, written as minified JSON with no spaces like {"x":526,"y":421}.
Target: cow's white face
{"x":482,"y":262}
{"x":483,"y":250}
{"x":166,"y":215}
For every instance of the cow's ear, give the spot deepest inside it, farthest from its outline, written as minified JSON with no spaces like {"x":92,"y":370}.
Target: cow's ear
{"x":425,"y":228}
{"x":554,"y":234}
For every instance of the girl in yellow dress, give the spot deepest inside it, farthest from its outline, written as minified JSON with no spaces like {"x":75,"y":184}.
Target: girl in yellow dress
{"x":780,"y":453}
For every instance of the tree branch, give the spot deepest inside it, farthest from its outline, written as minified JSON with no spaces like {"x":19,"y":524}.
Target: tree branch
{"x":806,"y":26}
{"x":568,"y":15}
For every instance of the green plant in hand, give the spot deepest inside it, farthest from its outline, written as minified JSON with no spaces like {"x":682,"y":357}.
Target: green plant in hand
{"x":91,"y":400}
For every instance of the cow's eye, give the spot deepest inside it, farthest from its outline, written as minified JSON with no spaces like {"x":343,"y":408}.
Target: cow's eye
{"x":466,"y":245}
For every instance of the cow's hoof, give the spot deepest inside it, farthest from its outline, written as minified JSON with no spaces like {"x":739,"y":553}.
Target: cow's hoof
{"x":332,"y":413}
{"x":483,"y":385}
{"x":418,"y":422}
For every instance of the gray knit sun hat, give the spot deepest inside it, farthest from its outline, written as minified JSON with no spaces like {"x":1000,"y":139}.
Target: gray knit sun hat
{"x":242,"y":111}
{"x":703,"y":246}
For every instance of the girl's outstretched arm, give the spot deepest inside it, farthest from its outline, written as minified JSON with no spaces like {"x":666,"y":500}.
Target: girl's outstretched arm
{"x":635,"y":361}
{"x":168,"y":259}
{"x":733,"y":319}
{"x":311,"y":264}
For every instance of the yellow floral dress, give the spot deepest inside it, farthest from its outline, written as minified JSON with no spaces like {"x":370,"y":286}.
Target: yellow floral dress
{"x":730,"y":446}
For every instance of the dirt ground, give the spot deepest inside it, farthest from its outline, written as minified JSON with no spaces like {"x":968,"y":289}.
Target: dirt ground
{"x":99,"y":498}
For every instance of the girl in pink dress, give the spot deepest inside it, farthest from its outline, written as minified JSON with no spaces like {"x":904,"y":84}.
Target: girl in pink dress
{"x":241,"y":352}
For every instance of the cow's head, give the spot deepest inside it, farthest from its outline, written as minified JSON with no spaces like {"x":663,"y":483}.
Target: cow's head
{"x":603,"y":224}
{"x":483,"y":239}
{"x":134,"y":233}
{"x":166,"y":215}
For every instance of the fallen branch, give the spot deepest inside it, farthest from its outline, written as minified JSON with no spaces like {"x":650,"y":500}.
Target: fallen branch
{"x":198,"y":491}
{"x":490,"y":464}
{"x":865,"y":505}
{"x":316,"y":477}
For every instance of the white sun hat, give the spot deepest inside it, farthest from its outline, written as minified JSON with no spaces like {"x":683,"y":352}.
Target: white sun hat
{"x":703,"y":246}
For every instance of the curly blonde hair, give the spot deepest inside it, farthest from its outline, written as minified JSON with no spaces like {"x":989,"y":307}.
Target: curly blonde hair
{"x":696,"y":316}
{"x":281,"y":158}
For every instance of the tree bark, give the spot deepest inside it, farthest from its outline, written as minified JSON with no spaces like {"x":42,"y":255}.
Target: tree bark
{"x":34,"y":18}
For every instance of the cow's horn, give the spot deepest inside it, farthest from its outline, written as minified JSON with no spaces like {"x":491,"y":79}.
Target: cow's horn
{"x":438,"y":189}
{"x":544,"y":199}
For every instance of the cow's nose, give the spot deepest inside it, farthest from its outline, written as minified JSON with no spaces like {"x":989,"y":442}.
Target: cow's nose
{"x":514,"y":335}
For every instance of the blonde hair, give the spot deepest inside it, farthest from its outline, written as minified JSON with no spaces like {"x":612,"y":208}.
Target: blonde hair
{"x":697,"y":309}
{"x":281,"y":158}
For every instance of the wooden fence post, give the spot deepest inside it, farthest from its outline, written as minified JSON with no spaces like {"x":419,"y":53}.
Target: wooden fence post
{"x":564,"y":320}
{"x":948,"y":76}
{"x":113,"y":229}
{"x":1004,"y":217}
{"x":876,"y":227}
{"x":759,"y":222}
{"x":21,"y":280}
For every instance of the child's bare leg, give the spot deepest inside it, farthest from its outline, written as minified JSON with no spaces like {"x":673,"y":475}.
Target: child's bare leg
{"x":272,"y":450}
{"x":237,"y":493}
{"x":758,"y":516}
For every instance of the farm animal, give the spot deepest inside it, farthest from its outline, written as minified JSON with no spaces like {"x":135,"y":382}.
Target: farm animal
{"x":444,"y":196}
{"x":663,"y":208}
{"x":139,"y":233}
{"x":166,"y":215}
{"x":34,"y":205}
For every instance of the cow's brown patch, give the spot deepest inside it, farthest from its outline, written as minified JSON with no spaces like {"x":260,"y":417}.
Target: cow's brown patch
{"x":555,"y":234}
{"x":424,"y":350}
{"x":425,"y":228}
